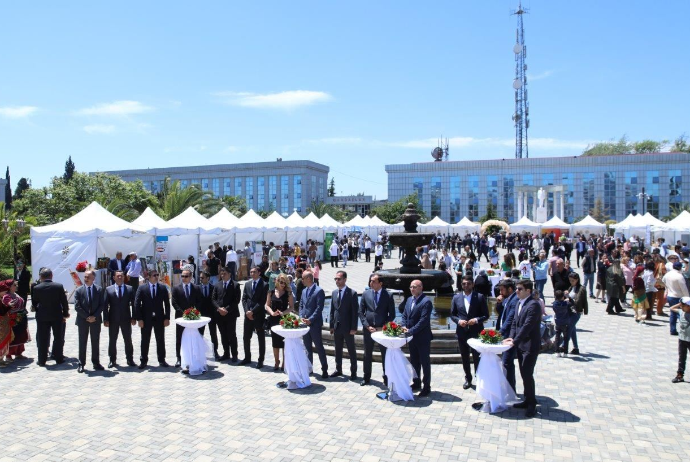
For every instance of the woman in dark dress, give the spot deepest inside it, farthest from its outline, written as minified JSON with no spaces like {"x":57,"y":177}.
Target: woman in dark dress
{"x":279,"y":302}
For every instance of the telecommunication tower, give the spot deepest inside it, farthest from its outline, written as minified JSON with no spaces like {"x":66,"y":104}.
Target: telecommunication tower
{"x":521,"y":115}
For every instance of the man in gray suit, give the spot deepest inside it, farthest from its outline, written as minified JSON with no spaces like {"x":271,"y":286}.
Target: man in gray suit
{"x":88,"y":303}
{"x":49,"y":300}
{"x":117,"y":316}
{"x":311,"y":310}
{"x":376,"y":308}
{"x":343,"y":323}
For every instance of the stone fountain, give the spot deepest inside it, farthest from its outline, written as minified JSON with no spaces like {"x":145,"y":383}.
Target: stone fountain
{"x":410,"y":270}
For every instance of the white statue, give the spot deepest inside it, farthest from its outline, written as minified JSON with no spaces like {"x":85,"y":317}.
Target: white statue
{"x":541,"y":197}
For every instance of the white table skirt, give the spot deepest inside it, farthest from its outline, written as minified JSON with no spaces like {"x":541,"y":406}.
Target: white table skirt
{"x":297,"y":365}
{"x":195,"y":351}
{"x":398,"y":369}
{"x":492,"y":384}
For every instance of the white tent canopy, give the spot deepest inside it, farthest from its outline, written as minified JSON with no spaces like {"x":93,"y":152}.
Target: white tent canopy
{"x":224,"y":219}
{"x":589,"y":225}
{"x":94,"y":220}
{"x":376,"y":221}
{"x":251,"y":220}
{"x":275,"y":221}
{"x":465,"y":226}
{"x":330,"y":223}
{"x":524,"y":224}
{"x":651,"y":220}
{"x":436,"y":225}
{"x":354,"y":221}
{"x":555,"y":223}
{"x":149,"y":221}
{"x":312,"y":221}
{"x":680,"y":224}
{"x":190,"y":220}
{"x":295,"y":221}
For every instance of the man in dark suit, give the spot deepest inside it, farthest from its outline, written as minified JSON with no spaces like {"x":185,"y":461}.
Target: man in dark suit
{"x":184,"y":296}
{"x":117,"y":316}
{"x":116,"y":264}
{"x":152,"y":310}
{"x":343,"y":323}
{"x":311,"y":310}
{"x":376,"y":308}
{"x":207,"y":309}
{"x":226,"y":299}
{"x":469,"y":311}
{"x":88,"y":303}
{"x":416,"y":321}
{"x":505,"y":306}
{"x":253,"y":302}
{"x":50,"y":302}
{"x":525,"y":336}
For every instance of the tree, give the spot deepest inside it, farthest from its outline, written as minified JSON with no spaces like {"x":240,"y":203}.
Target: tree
{"x":392,"y":212}
{"x":173,"y":200}
{"x":70,"y":168}
{"x":681,"y":144}
{"x":491,"y":214}
{"x":647,"y":146}
{"x":331,"y":188}
{"x":22,"y":185}
{"x":7,"y":239}
{"x":599,"y":212}
{"x":236,"y":205}
{"x":321,"y":208}
{"x":609,"y":148}
{"x":8,"y":191}
{"x":677,"y":210}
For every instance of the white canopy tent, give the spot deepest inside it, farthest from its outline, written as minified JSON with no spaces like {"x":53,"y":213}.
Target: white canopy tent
{"x":435,"y":225}
{"x":636,"y":225}
{"x":525,"y":224}
{"x":588,"y":225}
{"x":250,"y":228}
{"x":91,"y":233}
{"x":555,"y":223}
{"x":465,"y":226}
{"x":676,"y":229}
{"x":149,"y":221}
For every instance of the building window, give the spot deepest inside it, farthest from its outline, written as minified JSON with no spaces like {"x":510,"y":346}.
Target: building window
{"x":197,"y":182}
{"x":568,"y":198}
{"x":184,"y":184}
{"x":675,"y":196}
{"x":155,"y":187}
{"x":610,"y":194}
{"x":588,"y":192}
{"x":455,"y":214}
{"x":631,"y":192}
{"x":227,"y":187}
{"x":261,"y":193}
{"x":272,"y":194}
{"x":435,"y":196}
{"x":322,"y":190}
{"x":652,"y":191}
{"x":284,"y":195}
{"x":509,"y":198}
{"x":418,"y":187}
{"x":205,"y":184}
{"x":238,"y":187}
{"x":297,"y":193}
{"x":215,"y":182}
{"x":551,"y":209}
{"x":473,"y":198}
{"x":492,"y":192}
{"x":249,"y":192}
{"x":147,"y":185}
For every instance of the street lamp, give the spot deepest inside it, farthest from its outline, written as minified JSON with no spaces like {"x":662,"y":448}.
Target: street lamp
{"x":644,"y":196}
{"x":15,"y":232}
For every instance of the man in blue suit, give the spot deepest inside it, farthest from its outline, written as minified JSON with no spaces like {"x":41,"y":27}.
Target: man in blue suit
{"x":507,"y":302}
{"x":525,"y":336}
{"x":311,"y":310}
{"x":88,"y":303}
{"x":416,"y":321}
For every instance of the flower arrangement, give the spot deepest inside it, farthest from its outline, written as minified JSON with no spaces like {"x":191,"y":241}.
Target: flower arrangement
{"x":490,"y":272}
{"x":191,"y":314}
{"x":292,"y":321}
{"x":491,"y":337}
{"x":81,"y":266}
{"x":392,"y":329}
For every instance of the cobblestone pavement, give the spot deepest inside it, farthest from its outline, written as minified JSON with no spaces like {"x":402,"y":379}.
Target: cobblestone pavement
{"x":614,"y":402}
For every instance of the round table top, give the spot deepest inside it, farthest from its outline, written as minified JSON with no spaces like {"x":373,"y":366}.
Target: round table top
{"x":390,"y":342}
{"x":487,"y":348}
{"x":193,"y":323}
{"x":290,"y":333}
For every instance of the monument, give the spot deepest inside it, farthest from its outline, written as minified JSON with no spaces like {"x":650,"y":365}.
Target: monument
{"x":541,"y":206}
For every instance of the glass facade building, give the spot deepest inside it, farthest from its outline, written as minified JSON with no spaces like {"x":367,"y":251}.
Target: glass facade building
{"x":465,"y":188}
{"x":284,"y":186}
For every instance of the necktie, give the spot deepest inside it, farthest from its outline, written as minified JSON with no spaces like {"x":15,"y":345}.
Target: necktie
{"x":119,"y":292}
{"x":90,"y":295}
{"x":186,"y":289}
{"x":253,"y":287}
{"x":414,"y":302}
{"x":225,"y":286}
{"x":340,"y":296}
{"x":153,"y":291}
{"x":205,"y":291}
{"x":376,"y":298}
{"x":310,"y":292}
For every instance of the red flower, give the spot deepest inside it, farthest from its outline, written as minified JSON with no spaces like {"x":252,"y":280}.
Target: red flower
{"x":483,"y":332}
{"x":394,"y":325}
{"x":492,"y":333}
{"x":296,"y":323}
{"x":281,"y":323}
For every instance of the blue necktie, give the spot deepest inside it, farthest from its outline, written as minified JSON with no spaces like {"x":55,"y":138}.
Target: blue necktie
{"x":376,"y":299}
{"x":186,"y":289}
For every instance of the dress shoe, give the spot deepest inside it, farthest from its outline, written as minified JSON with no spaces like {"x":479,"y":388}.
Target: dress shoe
{"x":424,"y":392}
{"x":336,"y":374}
{"x":620,"y":311}
{"x":131,"y":363}
{"x":672,"y":333}
{"x":575,"y":351}
{"x":143,"y":365}
{"x":477,"y":406}
{"x":98,"y":367}
{"x":611,"y":312}
{"x":112,"y":364}
{"x":467,"y":384}
{"x":41,"y":364}
{"x":679,"y":378}
{"x":163,"y":364}
{"x":259,"y":365}
{"x":245,"y":361}
{"x":224,"y":358}
{"x":364,"y":382}
{"x":61,"y":361}
{"x":178,"y":363}
{"x":80,"y":369}
{"x":353,"y":377}
{"x":531,"y":411}
{"x":234,"y":359}
{"x":521,"y":405}
{"x":185,"y":371}
{"x":216,"y":356}
{"x":324,"y":376}
{"x":416,"y":386}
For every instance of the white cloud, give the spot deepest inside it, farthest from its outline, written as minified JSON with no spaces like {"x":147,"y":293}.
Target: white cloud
{"x":17,"y":112}
{"x":116,"y":108}
{"x":543,"y":75}
{"x":284,"y":100}
{"x":99,"y":129}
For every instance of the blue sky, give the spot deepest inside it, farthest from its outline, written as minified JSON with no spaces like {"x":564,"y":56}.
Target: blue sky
{"x":355,"y":85}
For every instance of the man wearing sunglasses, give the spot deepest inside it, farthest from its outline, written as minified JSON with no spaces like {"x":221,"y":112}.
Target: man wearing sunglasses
{"x":185,"y":295}
{"x":152,"y":311}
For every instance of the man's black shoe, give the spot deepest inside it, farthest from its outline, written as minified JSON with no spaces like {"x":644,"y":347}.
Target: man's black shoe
{"x":531,"y":411}
{"x":178,"y":363}
{"x":521,"y":405}
{"x":224,"y":358}
{"x":353,"y":377}
{"x":336,"y":374}
{"x":245,"y":361}
{"x":112,"y":364}
{"x":416,"y":386}
{"x":143,"y":365}
{"x":324,"y":376}
{"x":234,"y":359}
{"x":424,"y":392}
{"x":259,"y":365}
{"x":163,"y":364}
{"x":467,"y":384}
{"x":98,"y":367}
{"x":80,"y":369}
{"x":41,"y":364}
{"x":477,"y":406}
{"x":131,"y":363}
{"x":677,"y":379}
{"x":672,"y":333}
{"x":185,"y":371}
{"x":575,"y":351}
{"x":364,"y":382}
{"x":63,"y":360}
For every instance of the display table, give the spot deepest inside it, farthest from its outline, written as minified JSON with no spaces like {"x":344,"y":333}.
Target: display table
{"x":398,"y":369}
{"x":194,"y":350}
{"x":297,"y":365}
{"x":492,"y":384}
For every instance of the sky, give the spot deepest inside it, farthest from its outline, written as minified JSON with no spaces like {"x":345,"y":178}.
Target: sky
{"x":354,"y":85}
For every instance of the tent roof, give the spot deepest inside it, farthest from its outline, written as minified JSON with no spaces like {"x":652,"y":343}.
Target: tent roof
{"x":632,"y":221}
{"x":312,"y":221}
{"x":376,"y":221}
{"x":296,"y":221}
{"x":328,"y":222}
{"x":224,"y":219}
{"x":275,"y":221}
{"x":93,"y":220}
{"x":524,"y":224}
{"x":354,"y":221}
{"x":588,"y":221}
{"x":680,"y":223}
{"x":251,"y":220}
{"x":555,"y":223}
{"x":436,"y":222}
{"x":149,"y":220}
{"x":191,"y":221}
{"x":652,"y":220}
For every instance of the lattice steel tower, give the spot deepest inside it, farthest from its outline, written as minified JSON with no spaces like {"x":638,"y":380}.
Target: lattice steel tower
{"x":521,"y":115}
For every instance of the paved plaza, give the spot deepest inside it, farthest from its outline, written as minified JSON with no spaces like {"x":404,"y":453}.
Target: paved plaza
{"x":614,"y":402}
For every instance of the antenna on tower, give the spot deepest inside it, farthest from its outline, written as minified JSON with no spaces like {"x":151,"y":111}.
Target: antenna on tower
{"x":521,"y":115}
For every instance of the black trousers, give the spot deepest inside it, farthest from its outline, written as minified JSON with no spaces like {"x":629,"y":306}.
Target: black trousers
{"x":614,"y":302}
{"x":334,"y":261}
{"x":134,"y":282}
{"x":527,"y":361}
{"x":213,"y":331}
{"x":420,"y":358}
{"x":378,"y":259}
{"x":367,"y":254}
{"x":465,"y":351}
{"x":314,"y":337}
{"x":348,"y":340}
{"x":43,"y":329}
{"x":159,"y":332}
{"x":228,"y":337}
{"x":178,"y":338}
{"x":683,"y":348}
{"x":92,"y":329}
{"x":369,"y":354}
{"x":251,"y":326}
{"x":114,"y":328}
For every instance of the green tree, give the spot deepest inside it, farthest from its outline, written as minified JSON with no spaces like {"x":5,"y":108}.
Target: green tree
{"x":609,"y":148}
{"x":681,"y":144}
{"x":321,"y":208}
{"x":677,"y":210}
{"x":331,"y":188}
{"x":7,"y":236}
{"x":173,"y":200}
{"x":491,"y":214}
{"x":70,"y":168}
{"x":8,"y":191}
{"x":22,"y":185}
{"x":647,"y":146}
{"x":392,"y":212}
{"x":599,"y":212}
{"x":236,"y":205}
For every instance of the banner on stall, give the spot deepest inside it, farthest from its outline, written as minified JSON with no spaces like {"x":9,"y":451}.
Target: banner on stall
{"x":162,"y":248}
{"x":328,"y":240}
